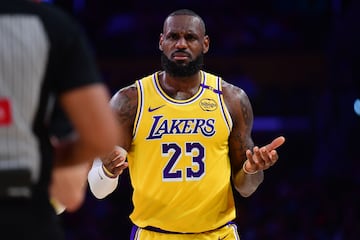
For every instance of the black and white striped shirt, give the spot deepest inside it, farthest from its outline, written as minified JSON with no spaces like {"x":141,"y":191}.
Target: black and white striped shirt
{"x":43,"y":53}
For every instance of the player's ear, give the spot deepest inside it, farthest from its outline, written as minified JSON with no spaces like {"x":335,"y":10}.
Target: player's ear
{"x":160,"y":41}
{"x":206,"y":44}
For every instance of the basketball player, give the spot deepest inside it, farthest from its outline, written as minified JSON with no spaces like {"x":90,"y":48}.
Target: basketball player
{"x":44,"y":58}
{"x":185,"y":133}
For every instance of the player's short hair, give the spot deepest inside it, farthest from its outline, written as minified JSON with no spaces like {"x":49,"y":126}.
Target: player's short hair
{"x":187,"y":12}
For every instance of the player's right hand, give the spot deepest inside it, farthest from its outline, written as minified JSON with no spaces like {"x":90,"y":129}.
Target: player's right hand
{"x":115,"y":162}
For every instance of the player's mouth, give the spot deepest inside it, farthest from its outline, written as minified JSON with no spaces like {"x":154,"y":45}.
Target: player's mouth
{"x":180,"y":56}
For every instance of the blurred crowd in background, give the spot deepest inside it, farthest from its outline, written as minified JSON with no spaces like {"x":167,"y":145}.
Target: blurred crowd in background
{"x":298,"y":62}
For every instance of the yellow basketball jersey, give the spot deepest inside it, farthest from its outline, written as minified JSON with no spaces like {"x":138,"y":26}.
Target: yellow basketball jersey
{"x":178,"y":162}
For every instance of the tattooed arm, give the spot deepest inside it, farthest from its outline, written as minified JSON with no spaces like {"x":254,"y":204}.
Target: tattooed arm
{"x":240,"y":139}
{"x":103,"y":176}
{"x":124,"y":103}
{"x":247,"y":161}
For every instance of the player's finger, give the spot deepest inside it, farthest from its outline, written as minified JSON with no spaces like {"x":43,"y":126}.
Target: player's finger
{"x":257,"y":157}
{"x":277,"y":142}
{"x":114,"y":155}
{"x":119,"y":153}
{"x":250,"y":154}
{"x":122,"y":166}
{"x":120,"y":161}
{"x":265,"y":154}
{"x":118,"y":170}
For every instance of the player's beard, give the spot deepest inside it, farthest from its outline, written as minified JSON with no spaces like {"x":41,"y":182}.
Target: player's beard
{"x":180,"y":69}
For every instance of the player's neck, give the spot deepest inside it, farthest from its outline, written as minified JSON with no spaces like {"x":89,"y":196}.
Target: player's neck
{"x":180,"y":88}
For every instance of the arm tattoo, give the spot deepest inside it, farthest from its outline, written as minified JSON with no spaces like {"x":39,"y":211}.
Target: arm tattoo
{"x":126,"y":105}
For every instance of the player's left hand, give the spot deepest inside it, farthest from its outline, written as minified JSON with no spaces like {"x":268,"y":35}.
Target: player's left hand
{"x":262,"y":158}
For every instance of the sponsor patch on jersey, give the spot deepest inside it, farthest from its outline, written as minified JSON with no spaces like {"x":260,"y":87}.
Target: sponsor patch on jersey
{"x":208,"y":104}
{"x":5,"y":112}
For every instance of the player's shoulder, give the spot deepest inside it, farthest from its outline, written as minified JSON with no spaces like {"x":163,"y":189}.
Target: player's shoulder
{"x":124,"y":102}
{"x":126,"y":94}
{"x":234,"y":96}
{"x":232,"y":90}
{"x":128,"y":90}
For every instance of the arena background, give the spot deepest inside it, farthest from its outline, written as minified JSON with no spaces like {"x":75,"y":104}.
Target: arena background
{"x":298,"y":62}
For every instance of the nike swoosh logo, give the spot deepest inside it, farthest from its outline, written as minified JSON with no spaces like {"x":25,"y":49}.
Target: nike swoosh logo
{"x":154,"y":109}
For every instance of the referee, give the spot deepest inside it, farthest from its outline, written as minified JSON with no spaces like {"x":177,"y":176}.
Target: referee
{"x":45,"y":59}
